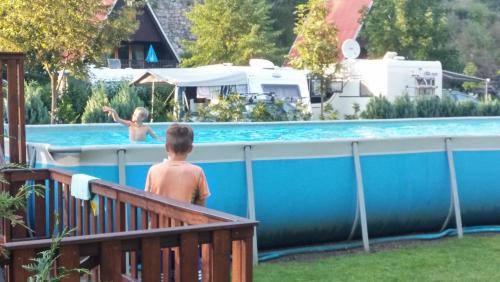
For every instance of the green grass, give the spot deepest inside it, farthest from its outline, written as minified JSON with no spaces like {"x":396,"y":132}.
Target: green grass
{"x":469,"y":259}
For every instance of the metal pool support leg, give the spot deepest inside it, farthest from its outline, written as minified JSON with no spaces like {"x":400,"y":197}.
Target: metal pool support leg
{"x":454,"y":188}
{"x":251,"y":198}
{"x":361,"y":196}
{"x":122,"y":177}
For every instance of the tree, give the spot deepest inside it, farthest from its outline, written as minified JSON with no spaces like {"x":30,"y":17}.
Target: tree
{"x":415,"y":29}
{"x":230,"y":31}
{"x":283,"y":12}
{"x":93,"y":110}
{"x":470,"y":69}
{"x":64,"y":35}
{"x":317,"y":43}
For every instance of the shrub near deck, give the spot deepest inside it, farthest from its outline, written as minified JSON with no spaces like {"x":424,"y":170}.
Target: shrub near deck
{"x":470,"y":259}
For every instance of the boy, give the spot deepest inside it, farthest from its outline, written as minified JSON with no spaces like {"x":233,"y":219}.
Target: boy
{"x":137,"y":130}
{"x":176,"y":178}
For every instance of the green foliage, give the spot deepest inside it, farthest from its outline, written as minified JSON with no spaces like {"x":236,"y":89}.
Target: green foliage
{"x":475,"y":27}
{"x":64,"y":35}
{"x":378,"y":108}
{"x":470,"y":69}
{"x":36,"y":111}
{"x":317,"y":47}
{"x":230,"y":31}
{"x":299,"y":112}
{"x":283,"y":12}
{"x":265,"y":111}
{"x":125,"y":101}
{"x":43,"y":263}
{"x":428,"y":106}
{"x":230,"y":108}
{"x":448,"y":107}
{"x":404,"y":107}
{"x":93,"y":110}
{"x":415,"y":29}
{"x":330,"y":114}
{"x":356,"y":108}
{"x":73,"y":101}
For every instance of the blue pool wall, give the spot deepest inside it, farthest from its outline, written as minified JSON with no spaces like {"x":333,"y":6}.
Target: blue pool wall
{"x":305,"y":192}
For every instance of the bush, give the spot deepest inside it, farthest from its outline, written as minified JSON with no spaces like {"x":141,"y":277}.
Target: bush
{"x":448,"y":107}
{"x":35,"y":110}
{"x":226,"y":109}
{"x":264,"y":111}
{"x":73,"y":101}
{"x":329,"y":113}
{"x":125,"y":101}
{"x":404,"y":107}
{"x":466,"y":109}
{"x":428,"y":106}
{"x":489,"y":108}
{"x":93,"y":110}
{"x":378,"y":108}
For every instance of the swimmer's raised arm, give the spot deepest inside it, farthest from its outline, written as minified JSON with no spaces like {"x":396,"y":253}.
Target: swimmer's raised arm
{"x":112,"y":112}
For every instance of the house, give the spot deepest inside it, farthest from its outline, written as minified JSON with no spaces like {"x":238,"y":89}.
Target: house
{"x":162,"y":26}
{"x":346,"y":16}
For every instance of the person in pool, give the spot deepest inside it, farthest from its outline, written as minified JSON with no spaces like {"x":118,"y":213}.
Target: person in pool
{"x":137,"y":130}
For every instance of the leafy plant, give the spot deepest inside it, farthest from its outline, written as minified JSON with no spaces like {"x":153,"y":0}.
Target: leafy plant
{"x":378,"y":108}
{"x":357,"y":109}
{"x":231,"y":108}
{"x":93,"y":110}
{"x":428,"y":106}
{"x":329,"y":113}
{"x":404,"y":107}
{"x":125,"y":101}
{"x":35,"y":110}
{"x":73,"y":101}
{"x":43,"y":263}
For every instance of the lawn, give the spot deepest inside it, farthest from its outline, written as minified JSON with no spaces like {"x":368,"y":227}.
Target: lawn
{"x":474,"y":258}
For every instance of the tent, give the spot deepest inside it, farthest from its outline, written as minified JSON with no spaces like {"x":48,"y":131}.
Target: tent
{"x":214,"y":75}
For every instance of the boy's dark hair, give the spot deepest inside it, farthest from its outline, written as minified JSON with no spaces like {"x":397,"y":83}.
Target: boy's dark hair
{"x":180,"y":137}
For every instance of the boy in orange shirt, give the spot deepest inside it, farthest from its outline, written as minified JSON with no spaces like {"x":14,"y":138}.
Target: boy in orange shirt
{"x":176,"y":178}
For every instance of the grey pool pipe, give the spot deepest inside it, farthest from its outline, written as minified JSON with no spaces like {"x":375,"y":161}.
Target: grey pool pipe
{"x":275,"y":254}
{"x":251,"y":198}
{"x":454,"y":189}
{"x":361,"y":196}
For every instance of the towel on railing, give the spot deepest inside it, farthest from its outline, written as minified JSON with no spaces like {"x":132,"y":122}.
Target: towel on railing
{"x":80,"y":186}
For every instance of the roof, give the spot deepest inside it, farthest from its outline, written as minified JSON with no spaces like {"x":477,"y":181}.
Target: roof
{"x":213,"y":75}
{"x":346,"y":16}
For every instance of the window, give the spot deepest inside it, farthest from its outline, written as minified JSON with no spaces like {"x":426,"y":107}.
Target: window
{"x":315,"y":89}
{"x":425,"y":85}
{"x":289,"y":92}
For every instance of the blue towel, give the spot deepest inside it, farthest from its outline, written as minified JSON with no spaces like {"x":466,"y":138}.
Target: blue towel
{"x":80,"y":186}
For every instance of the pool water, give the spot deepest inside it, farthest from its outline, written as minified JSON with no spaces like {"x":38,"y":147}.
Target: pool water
{"x":248,"y":132}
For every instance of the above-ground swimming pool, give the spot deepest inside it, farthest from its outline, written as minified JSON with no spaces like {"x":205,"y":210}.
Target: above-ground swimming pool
{"x":303,"y":175}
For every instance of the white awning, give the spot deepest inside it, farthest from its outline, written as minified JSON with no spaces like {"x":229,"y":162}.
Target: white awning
{"x":215,"y":75}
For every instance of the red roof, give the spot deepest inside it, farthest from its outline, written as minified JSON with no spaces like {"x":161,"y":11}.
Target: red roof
{"x":345,"y":14}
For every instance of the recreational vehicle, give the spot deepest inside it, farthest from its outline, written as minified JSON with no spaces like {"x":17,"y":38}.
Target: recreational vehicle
{"x":259,"y":81}
{"x":359,"y":80}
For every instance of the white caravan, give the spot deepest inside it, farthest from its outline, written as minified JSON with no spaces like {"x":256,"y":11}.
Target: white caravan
{"x":259,"y":81}
{"x":392,"y":76}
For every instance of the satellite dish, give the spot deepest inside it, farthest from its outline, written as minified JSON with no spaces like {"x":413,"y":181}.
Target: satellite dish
{"x":350,"y":49}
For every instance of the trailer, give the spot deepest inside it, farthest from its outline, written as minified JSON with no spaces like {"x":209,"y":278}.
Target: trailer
{"x":390,"y":77}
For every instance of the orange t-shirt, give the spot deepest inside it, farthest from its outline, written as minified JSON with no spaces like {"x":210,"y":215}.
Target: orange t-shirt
{"x":178,"y":180}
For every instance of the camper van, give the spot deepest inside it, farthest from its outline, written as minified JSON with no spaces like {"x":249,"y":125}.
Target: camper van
{"x":260,"y":81}
{"x":359,"y":80}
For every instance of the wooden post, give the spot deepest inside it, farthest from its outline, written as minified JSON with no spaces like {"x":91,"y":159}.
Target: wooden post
{"x":21,"y":111}
{"x":13,"y":105}
{"x":16,"y":116}
{"x":111,"y":261}
{"x":189,"y":257}
{"x":20,"y":258}
{"x":2,"y":147}
{"x":70,"y":259}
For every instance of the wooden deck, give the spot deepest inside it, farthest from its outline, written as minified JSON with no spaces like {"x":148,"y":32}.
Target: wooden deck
{"x":134,"y":235}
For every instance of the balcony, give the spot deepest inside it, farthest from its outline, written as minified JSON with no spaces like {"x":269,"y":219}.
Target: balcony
{"x":133,"y":236}
{"x":140,"y":64}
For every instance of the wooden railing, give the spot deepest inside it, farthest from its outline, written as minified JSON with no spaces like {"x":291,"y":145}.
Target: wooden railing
{"x":133,"y":235}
